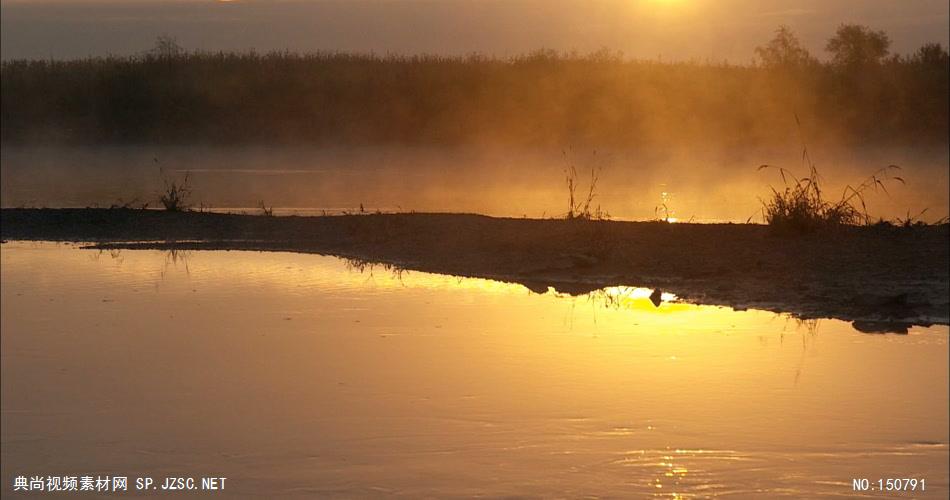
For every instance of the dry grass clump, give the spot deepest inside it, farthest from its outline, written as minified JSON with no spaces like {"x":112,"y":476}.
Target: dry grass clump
{"x":175,"y":194}
{"x":910,"y":221}
{"x":581,"y":206}
{"x":802,"y":205}
{"x":265,"y":210}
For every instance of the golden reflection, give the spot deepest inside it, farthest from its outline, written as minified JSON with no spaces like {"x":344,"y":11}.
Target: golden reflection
{"x":636,"y":299}
{"x":281,"y":272}
{"x":299,"y":359}
{"x":670,"y":473}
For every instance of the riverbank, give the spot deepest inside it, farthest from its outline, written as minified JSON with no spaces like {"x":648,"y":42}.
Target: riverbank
{"x":881,"y":278}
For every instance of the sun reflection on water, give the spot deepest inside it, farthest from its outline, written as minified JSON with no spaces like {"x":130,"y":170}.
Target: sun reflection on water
{"x":302,"y":359}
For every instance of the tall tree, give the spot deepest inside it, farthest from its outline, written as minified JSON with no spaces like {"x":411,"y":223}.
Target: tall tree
{"x":855,"y":46}
{"x":784,"y":51}
{"x":932,"y":55}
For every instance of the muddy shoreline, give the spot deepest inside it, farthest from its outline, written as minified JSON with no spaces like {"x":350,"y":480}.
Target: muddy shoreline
{"x":881,"y":278}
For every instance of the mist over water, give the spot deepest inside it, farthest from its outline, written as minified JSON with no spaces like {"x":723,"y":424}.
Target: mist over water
{"x":336,"y":131}
{"x":700,"y":184}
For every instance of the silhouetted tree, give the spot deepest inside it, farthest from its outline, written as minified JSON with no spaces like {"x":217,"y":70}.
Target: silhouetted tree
{"x":862,"y":91}
{"x":931,"y":55}
{"x":166,"y":47}
{"x":924,"y":85}
{"x":855,"y":46}
{"x":784,"y":51}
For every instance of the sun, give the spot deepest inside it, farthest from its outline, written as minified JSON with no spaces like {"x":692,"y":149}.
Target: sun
{"x":667,"y":6}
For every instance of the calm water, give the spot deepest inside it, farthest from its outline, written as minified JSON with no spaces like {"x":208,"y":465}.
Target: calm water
{"x":299,"y":375}
{"x":697,"y":185}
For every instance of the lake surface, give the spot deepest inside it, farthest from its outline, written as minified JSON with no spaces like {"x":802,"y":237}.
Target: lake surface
{"x":697,"y":185}
{"x":304,"y":375}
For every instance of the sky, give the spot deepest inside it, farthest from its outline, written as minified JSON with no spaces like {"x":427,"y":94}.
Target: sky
{"x":706,"y":30}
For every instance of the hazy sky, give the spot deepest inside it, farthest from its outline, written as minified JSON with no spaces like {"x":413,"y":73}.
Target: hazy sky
{"x":667,"y":29}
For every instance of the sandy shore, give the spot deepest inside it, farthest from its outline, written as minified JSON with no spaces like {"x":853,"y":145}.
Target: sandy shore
{"x":882,"y":278}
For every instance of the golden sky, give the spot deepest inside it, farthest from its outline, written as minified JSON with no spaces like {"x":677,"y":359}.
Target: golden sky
{"x":666,"y":29}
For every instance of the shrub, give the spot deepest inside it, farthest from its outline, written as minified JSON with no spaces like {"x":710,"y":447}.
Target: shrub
{"x":176,"y":194}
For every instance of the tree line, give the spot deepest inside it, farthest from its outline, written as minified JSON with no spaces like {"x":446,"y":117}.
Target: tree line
{"x":862,"y":94}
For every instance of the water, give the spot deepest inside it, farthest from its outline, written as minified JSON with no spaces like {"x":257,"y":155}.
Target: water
{"x":686,"y":185}
{"x":298,"y":375}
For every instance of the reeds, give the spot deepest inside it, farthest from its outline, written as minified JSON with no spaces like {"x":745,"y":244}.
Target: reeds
{"x":581,"y":206}
{"x":544,"y":99}
{"x":802,"y":206}
{"x":175,"y":195}
{"x":265,"y":210}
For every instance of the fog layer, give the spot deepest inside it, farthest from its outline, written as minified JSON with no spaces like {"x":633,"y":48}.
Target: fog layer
{"x":699,"y":184}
